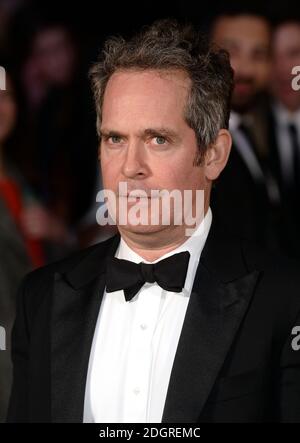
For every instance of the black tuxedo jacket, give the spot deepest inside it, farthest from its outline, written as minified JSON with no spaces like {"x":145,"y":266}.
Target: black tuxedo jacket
{"x":234,"y":361}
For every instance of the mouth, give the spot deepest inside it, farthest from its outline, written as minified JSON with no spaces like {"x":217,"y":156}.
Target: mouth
{"x":135,"y":198}
{"x":145,"y":195}
{"x":243,"y":88}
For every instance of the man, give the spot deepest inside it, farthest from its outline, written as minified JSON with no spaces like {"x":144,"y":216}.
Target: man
{"x":285,"y":129}
{"x":154,"y":325}
{"x":246,"y":192}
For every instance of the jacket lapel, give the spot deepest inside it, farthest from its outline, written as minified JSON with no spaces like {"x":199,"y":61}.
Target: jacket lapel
{"x":222,"y":290}
{"x":76,"y":303}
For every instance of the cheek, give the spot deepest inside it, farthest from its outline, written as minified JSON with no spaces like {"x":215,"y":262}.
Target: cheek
{"x":167,"y":173}
{"x":180,"y":175}
{"x":195,"y":179}
{"x":111,"y":169}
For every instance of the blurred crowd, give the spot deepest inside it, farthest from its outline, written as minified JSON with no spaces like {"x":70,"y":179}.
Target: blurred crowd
{"x":258,"y":193}
{"x":49,"y":173}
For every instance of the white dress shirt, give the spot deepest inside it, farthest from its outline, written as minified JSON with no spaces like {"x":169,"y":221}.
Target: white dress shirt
{"x":135,"y":342}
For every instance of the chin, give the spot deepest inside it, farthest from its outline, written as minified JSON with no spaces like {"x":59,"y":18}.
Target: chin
{"x":141,"y":229}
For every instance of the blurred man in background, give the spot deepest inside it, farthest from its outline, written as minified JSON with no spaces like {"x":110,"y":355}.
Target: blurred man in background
{"x":62,"y":170}
{"x":247,"y":189}
{"x":285,"y":130}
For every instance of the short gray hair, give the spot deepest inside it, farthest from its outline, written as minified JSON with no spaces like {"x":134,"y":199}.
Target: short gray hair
{"x":167,"y":45}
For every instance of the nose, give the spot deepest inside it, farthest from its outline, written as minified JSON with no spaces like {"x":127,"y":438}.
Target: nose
{"x":134,"y":163}
{"x":243,"y":67}
{"x":247,"y":70}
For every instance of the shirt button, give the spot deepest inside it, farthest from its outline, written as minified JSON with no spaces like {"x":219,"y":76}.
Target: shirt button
{"x":136,"y":390}
{"x":143,"y":326}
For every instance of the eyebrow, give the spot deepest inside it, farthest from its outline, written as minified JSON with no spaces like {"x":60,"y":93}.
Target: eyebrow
{"x":154,"y":132}
{"x":166,"y":132}
{"x":110,"y":133}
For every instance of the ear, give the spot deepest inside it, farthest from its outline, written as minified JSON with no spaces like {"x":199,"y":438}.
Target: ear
{"x":217,"y":155}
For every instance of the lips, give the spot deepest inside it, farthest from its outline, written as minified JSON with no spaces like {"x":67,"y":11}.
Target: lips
{"x":243,"y":88}
{"x":145,"y":194}
{"x":133,"y":196}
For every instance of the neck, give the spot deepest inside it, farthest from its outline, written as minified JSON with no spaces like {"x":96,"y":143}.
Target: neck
{"x":153,"y":245}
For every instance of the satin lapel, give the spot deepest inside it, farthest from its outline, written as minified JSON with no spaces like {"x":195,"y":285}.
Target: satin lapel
{"x":76,"y":302}
{"x":74,"y":319}
{"x":213,"y":316}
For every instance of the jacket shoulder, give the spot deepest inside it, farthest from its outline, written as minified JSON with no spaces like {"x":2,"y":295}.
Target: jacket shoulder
{"x":279,"y":281}
{"x":269,"y":261}
{"x":37,"y":285}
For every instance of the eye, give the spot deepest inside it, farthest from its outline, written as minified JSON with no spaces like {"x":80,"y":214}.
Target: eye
{"x":115,"y":139}
{"x":160,"y":140}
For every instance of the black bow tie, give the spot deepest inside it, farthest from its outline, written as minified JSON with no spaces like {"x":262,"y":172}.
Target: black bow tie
{"x":169,"y":273}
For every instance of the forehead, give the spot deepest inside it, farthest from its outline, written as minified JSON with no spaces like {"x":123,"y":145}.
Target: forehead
{"x":287,"y":36}
{"x":145,"y":93}
{"x":146,"y":83}
{"x":240,"y":29}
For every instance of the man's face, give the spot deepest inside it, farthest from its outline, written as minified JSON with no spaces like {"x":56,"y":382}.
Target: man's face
{"x":145,"y":141}
{"x":286,"y":55}
{"x":55,"y":55}
{"x":247,"y":39}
